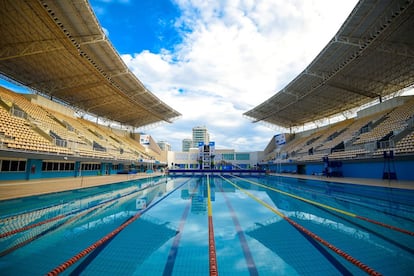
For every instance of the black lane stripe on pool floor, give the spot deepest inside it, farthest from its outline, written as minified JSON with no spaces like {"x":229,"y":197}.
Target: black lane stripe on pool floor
{"x":242,"y":238}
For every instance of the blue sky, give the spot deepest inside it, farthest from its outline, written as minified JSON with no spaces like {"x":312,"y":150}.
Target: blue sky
{"x":214,"y":60}
{"x":136,"y":26}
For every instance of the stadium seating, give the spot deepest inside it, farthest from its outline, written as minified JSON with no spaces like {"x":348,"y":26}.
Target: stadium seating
{"x":358,"y":138}
{"x":25,"y":126}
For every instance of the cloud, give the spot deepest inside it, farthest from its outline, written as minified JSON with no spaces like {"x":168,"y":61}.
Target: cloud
{"x":233,"y":56}
{"x":106,"y":32}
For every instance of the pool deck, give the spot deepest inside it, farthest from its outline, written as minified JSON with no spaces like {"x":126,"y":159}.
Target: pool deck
{"x":17,"y":189}
{"x":401,"y":184}
{"x":21,"y":188}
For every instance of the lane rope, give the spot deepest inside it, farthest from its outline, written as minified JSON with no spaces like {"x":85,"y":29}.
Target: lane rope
{"x":27,"y":227}
{"x":43,"y":233}
{"x":299,"y":227}
{"x":211,"y":241}
{"x":401,"y":230}
{"x":62,"y":267}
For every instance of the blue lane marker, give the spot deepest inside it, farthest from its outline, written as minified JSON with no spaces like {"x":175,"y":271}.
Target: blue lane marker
{"x":164,"y":196}
{"x":172,"y":255}
{"x":169,"y":266}
{"x":336,"y":263}
{"x":85,"y":263}
{"x":242,"y":238}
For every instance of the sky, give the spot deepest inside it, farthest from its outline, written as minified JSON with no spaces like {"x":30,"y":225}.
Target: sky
{"x":214,"y":60}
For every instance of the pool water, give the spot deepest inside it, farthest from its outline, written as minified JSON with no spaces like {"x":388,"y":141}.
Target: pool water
{"x":262,"y":226}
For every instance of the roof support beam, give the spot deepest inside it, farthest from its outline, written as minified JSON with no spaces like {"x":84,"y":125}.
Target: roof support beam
{"x":314,"y":74}
{"x":18,"y":50}
{"x":91,"y":39}
{"x":101,"y":104}
{"x":348,"y":41}
{"x":396,"y":49}
{"x":353,"y":90}
{"x":66,"y":84}
{"x":81,"y":87}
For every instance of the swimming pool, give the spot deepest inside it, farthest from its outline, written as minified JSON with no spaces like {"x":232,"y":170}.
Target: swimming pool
{"x":201,"y":225}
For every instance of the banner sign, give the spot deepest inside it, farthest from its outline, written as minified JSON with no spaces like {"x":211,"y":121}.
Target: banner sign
{"x":280,"y":139}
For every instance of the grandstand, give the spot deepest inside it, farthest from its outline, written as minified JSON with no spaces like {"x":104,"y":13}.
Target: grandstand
{"x":369,"y":61}
{"x":365,"y":136}
{"x":361,"y":140}
{"x":30,"y":132}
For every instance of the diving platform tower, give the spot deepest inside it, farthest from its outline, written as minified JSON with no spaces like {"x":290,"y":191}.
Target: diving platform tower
{"x":206,"y":154}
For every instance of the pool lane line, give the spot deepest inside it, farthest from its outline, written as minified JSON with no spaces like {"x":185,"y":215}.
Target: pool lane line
{"x":89,"y":259}
{"x":299,"y":227}
{"x":349,"y":200}
{"x":41,"y":234}
{"x":57,"y":205}
{"x":342,"y":268}
{"x":172,"y":255}
{"x":63,"y":266}
{"x":242,"y":238}
{"x":211,"y":243}
{"x":387,"y":238}
{"x":51,"y":229}
{"x":401,"y":230}
{"x":80,"y":214}
{"x":30,"y":226}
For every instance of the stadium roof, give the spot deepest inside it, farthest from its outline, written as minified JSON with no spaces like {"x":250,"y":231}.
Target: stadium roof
{"x":371,"y":56}
{"x":58,"y":49}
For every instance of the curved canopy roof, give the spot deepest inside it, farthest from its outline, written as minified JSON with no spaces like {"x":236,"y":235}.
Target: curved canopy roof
{"x":58,"y":49}
{"x":371,"y":56}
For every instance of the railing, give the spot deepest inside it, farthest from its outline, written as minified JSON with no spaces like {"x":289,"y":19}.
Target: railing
{"x":18,"y":113}
{"x":60,"y":142}
{"x":386,"y":144}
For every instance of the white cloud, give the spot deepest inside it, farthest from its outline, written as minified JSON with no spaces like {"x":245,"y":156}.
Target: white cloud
{"x":236,"y":55}
{"x":105,"y":31}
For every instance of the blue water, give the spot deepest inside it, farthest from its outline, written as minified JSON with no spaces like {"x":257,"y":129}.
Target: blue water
{"x":171,"y":235}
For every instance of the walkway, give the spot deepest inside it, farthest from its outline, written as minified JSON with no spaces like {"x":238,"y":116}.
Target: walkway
{"x":402,"y":184}
{"x":22,"y":188}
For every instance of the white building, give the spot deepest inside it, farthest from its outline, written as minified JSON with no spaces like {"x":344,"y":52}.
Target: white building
{"x":200,"y":134}
{"x":186,"y":145}
{"x":223,"y":158}
{"x":165,"y":146}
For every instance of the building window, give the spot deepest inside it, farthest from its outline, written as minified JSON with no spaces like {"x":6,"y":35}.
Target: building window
{"x":13,"y":165}
{"x":228,"y":156}
{"x":242,"y":156}
{"x":90,"y":166}
{"x":57,"y":166}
